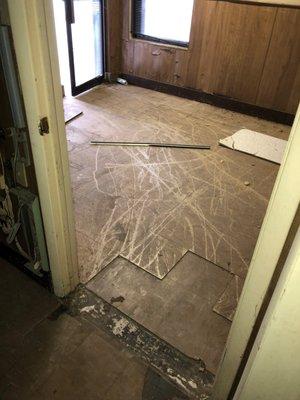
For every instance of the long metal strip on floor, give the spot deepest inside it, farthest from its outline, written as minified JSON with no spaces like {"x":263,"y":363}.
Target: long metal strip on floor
{"x":149,"y":144}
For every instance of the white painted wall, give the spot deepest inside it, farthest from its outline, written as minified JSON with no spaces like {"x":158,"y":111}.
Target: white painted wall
{"x":273,"y":369}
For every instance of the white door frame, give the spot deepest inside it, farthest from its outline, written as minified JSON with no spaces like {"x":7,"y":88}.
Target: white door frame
{"x":33,"y":31}
{"x":275,"y":228}
{"x":35,"y":43}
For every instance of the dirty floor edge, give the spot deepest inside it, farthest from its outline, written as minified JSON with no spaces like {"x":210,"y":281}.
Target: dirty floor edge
{"x":188,"y":374}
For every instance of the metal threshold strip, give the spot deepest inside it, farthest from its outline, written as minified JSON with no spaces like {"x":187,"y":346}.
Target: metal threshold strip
{"x":149,"y":144}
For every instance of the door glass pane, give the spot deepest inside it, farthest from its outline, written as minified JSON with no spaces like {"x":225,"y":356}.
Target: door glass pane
{"x":87,"y":40}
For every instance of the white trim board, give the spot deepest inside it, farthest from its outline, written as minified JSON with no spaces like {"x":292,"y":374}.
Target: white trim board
{"x":256,"y":144}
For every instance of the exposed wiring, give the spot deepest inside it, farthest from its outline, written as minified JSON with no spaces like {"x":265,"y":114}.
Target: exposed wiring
{"x":7,"y":218}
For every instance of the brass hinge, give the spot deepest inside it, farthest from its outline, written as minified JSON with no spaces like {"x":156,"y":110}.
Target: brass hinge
{"x":44,"y":126}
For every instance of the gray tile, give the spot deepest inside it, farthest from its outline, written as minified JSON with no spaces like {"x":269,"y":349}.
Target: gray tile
{"x":155,"y":255}
{"x":23,"y":305}
{"x":19,"y":308}
{"x":157,"y":388}
{"x":93,"y":371}
{"x":40,"y":351}
{"x":179,"y":308}
{"x":188,"y":374}
{"x":193,"y":328}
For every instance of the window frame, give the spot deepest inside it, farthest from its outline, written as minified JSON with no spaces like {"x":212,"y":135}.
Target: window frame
{"x":136,"y":27}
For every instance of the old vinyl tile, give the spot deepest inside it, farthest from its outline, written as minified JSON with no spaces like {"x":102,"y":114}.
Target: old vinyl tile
{"x":155,"y":255}
{"x":94,"y":371}
{"x":157,"y":388}
{"x":188,"y":374}
{"x":129,"y":384}
{"x":227,"y":303}
{"x":24,"y":302}
{"x":48,"y":343}
{"x":143,"y":297}
{"x":185,"y":299}
{"x":203,"y":338}
{"x":40,"y":351}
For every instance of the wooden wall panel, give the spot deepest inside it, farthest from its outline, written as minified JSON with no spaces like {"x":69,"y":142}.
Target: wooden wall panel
{"x":180,"y":71}
{"x":127,"y":56}
{"x":241,"y":42}
{"x":202,"y":45}
{"x":114,"y":29}
{"x":280,"y":83}
{"x":154,"y":62}
{"x":237,"y":50}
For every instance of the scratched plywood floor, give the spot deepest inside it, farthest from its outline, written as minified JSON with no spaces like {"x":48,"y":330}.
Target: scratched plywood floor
{"x":157,"y":216}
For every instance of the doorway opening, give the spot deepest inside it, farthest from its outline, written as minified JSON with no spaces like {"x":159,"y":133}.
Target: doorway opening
{"x":165,"y":236}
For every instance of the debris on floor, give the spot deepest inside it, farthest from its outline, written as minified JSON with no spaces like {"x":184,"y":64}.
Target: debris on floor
{"x":118,"y":299}
{"x":257,"y":144}
{"x":71,"y":112}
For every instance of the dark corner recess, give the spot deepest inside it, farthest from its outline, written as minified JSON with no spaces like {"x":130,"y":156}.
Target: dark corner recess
{"x":213,"y":99}
{"x":18,"y":261}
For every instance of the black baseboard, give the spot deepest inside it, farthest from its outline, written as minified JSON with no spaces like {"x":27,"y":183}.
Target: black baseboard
{"x":213,"y":99}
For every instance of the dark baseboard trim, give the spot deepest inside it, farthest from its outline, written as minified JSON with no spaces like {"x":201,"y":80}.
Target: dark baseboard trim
{"x":213,"y":99}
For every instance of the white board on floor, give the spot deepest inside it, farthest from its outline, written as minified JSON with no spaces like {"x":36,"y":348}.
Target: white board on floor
{"x":256,"y":144}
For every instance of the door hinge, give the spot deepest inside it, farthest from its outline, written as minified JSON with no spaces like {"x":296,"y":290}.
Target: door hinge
{"x":44,"y":126}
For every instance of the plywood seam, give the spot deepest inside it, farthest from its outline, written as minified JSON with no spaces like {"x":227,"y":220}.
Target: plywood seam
{"x":265,"y":60}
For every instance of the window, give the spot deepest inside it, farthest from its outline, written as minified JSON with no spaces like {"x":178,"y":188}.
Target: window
{"x":164,"y":21}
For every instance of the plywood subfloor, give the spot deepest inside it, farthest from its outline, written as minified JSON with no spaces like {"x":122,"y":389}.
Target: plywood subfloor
{"x":155,"y":207}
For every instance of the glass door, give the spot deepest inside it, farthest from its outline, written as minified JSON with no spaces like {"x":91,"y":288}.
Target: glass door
{"x":84,"y":20}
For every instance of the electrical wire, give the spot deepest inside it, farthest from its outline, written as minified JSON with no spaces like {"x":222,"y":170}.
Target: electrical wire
{"x":9,"y":218}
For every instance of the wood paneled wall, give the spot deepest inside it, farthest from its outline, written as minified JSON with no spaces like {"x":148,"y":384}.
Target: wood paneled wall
{"x":248,"y":52}
{"x":114,"y":28}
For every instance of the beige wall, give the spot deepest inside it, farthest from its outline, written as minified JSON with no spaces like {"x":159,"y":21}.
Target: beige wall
{"x":273,"y":370}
